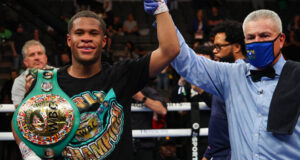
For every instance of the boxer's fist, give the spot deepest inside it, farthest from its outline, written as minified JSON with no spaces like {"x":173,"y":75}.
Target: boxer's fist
{"x":154,"y":7}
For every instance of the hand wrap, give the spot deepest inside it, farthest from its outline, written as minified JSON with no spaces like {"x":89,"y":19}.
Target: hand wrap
{"x":27,"y":153}
{"x":155,"y":7}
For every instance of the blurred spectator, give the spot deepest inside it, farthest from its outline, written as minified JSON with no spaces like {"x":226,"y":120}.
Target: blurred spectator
{"x":196,"y":44}
{"x":106,"y":51}
{"x":117,"y":27}
{"x":167,"y":149}
{"x":210,"y":41}
{"x":129,"y":50}
{"x":18,"y":40}
{"x":292,"y":46}
{"x":65,"y":59}
{"x":200,"y":26}
{"x":36,"y":35}
{"x":130,"y":25}
{"x":5,"y":35}
{"x":141,"y":51}
{"x":97,"y":7}
{"x":82,"y":5}
{"x":65,"y":18}
{"x":148,"y":97}
{"x":107,"y":6}
{"x":5,"y":95}
{"x":50,"y":41}
{"x":163,"y":79}
{"x":214,"y":17}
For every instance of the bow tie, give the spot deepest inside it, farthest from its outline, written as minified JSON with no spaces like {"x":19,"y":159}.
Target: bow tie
{"x":267,"y":72}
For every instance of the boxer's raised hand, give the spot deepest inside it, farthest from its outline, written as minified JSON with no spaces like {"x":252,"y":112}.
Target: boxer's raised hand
{"x":155,"y":7}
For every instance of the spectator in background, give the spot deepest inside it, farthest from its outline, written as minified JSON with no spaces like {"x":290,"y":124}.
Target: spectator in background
{"x":18,"y":40}
{"x":36,"y":35}
{"x":82,"y":4}
{"x":5,"y":35}
{"x":130,"y":26}
{"x":52,"y":41}
{"x":34,"y":57}
{"x":167,"y":149}
{"x":214,"y":17}
{"x":148,"y":97}
{"x":229,"y":47}
{"x":130,"y":50}
{"x":65,"y":59}
{"x":107,"y":7}
{"x":292,"y":46}
{"x":107,"y":53}
{"x":199,"y":26}
{"x":116,"y":27}
{"x":5,"y":94}
{"x":163,"y":79}
{"x":141,"y":51}
{"x":210,"y":41}
{"x":196,"y":44}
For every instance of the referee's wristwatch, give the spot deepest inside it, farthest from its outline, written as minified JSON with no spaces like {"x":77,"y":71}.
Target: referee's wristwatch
{"x":144,"y":100}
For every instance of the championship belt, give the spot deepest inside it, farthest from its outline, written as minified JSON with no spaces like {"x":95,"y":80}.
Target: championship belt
{"x":47,"y":118}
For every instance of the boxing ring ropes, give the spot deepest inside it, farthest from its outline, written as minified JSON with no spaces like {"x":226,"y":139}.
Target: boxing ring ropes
{"x":194,"y":132}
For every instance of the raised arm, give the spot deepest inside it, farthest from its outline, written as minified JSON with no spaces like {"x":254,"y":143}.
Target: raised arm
{"x":198,"y":70}
{"x":168,"y":43}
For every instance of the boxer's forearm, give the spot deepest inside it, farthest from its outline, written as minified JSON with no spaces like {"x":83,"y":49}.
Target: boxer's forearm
{"x":168,"y":44}
{"x":166,"y":34}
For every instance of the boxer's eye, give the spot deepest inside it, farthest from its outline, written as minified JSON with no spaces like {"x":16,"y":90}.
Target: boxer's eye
{"x":94,"y":33}
{"x":78,"y":32}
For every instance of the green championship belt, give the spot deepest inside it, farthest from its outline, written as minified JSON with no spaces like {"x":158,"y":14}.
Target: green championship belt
{"x":47,"y":118}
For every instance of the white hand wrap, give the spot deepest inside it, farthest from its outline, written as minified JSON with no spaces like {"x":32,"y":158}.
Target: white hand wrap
{"x":162,"y":7}
{"x":27,"y":153}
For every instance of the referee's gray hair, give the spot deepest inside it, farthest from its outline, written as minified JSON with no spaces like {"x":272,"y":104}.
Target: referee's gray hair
{"x":29,"y":44}
{"x":264,"y":14}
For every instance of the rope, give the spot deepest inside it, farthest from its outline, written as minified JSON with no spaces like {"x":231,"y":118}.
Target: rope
{"x":135,"y":107}
{"x":144,"y":133}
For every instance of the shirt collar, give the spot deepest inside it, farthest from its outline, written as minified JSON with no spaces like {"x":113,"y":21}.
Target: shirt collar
{"x":277,"y":66}
{"x":240,"y":60}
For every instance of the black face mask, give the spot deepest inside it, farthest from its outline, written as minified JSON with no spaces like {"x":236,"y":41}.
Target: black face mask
{"x":229,"y":58}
